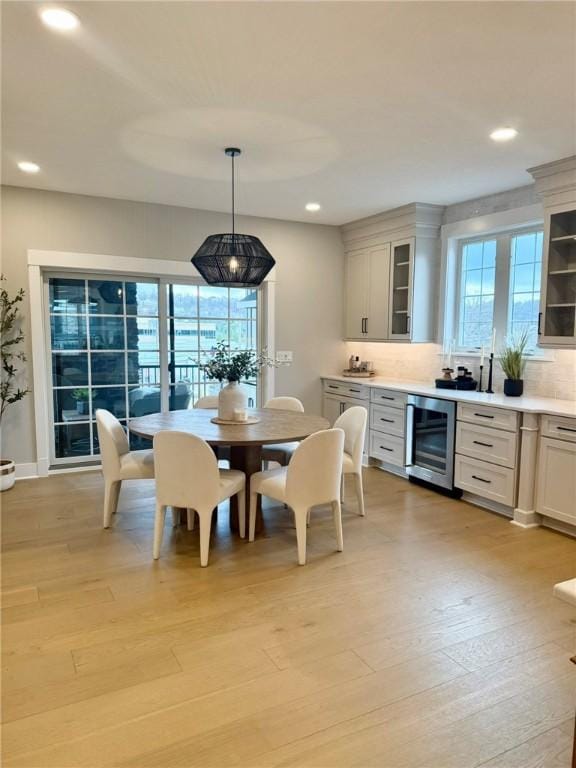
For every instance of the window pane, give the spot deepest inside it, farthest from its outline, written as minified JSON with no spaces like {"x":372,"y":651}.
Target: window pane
{"x":488,"y":281}
{"x":141,"y":298}
{"x":212,"y":331}
{"x":523,"y":277}
{"x":71,"y":404}
{"x":72,"y":440}
{"x":213,"y":301}
{"x":108,"y":367}
{"x":183,"y":300}
{"x":489,"y":254}
{"x":524,"y":298}
{"x":524,"y":248}
{"x":180,"y":396}
{"x":239,"y":334}
{"x":67,"y":296}
{"x":473,"y":283}
{"x":472,"y":256}
{"x":105,"y":297}
{"x":243,"y":303}
{"x":143,"y":368}
{"x":107,"y":333}
{"x":113,"y":399}
{"x":70,"y":369}
{"x":143,"y":400}
{"x":142,"y":333}
{"x":68,"y":332}
{"x":477,"y":288}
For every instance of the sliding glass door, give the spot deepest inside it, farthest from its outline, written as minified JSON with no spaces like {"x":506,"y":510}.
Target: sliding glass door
{"x":134,"y":347}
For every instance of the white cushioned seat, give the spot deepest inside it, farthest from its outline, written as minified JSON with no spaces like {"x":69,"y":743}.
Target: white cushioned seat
{"x":137,"y":465}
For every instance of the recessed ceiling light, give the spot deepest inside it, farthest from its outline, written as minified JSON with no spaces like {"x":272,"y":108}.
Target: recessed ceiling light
{"x":28,"y":167}
{"x":60,"y":19}
{"x":504,"y":134}
{"x":313,"y":207}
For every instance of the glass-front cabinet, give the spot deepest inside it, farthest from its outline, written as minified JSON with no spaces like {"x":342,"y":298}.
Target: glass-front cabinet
{"x":557,"y":323}
{"x":401,"y":287}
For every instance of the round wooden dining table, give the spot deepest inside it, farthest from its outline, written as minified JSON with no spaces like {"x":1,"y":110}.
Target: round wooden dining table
{"x":244,"y":440}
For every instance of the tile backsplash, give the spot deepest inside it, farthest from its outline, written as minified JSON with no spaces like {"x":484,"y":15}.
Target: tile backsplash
{"x":423,"y":362}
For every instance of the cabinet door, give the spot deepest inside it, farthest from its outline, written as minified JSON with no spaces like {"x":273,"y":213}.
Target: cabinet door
{"x":357,"y":284}
{"x":556,"y":488}
{"x":332,"y":407}
{"x":557,"y":322}
{"x":376,"y":324}
{"x":401,"y":285}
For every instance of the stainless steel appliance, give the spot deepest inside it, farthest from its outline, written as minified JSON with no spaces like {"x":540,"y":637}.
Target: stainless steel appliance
{"x":430,"y":432}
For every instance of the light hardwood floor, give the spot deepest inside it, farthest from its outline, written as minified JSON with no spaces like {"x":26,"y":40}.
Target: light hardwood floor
{"x":432,"y":640}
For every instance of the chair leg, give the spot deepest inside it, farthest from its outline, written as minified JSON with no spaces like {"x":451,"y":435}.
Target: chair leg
{"x":252,"y":521}
{"x":205,"y":517}
{"x":337,"y":512}
{"x":242,"y":513}
{"x":159,"y":519}
{"x":175,"y":517}
{"x":342,"y":489}
{"x":190,"y":519}
{"x":111,"y":494}
{"x":300,"y":517}
{"x":359,"y":493}
{"x":308,"y":516}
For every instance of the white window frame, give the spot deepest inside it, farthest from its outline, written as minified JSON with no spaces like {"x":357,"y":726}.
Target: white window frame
{"x":516,"y":220}
{"x":41,"y":262}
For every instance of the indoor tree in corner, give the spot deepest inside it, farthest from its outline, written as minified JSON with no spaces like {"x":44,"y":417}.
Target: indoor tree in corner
{"x":11,"y":337}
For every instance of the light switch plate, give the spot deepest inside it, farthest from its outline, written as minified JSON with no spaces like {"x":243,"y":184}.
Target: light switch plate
{"x":285,"y":356}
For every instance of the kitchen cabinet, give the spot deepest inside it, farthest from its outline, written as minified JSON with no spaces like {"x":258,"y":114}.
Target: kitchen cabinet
{"x":391,"y":281}
{"x":557,"y":321}
{"x":556,"y":479}
{"x":367,"y":279}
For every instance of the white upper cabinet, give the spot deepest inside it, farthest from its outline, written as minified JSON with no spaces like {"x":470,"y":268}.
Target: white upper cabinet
{"x":392,"y":265}
{"x":556,"y":184}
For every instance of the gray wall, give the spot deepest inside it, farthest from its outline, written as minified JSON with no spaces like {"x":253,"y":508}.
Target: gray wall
{"x":309,"y":275}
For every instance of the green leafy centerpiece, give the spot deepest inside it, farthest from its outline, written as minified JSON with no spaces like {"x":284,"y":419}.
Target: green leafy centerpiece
{"x":512,"y":360}
{"x":234,"y":367}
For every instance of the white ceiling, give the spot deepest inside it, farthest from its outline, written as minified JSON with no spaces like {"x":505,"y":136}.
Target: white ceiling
{"x":359,"y":106}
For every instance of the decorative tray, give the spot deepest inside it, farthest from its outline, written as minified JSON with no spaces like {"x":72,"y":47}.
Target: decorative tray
{"x":230,"y":422}
{"x":358,"y":374}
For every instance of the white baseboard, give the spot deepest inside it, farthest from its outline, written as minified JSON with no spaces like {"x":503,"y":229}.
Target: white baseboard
{"x":26,"y":471}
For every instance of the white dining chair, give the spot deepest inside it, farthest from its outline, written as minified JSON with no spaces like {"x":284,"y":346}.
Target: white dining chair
{"x":187,"y":476}
{"x":311,"y":478}
{"x":281,"y":453}
{"x":118,"y":461}
{"x":353,"y":422}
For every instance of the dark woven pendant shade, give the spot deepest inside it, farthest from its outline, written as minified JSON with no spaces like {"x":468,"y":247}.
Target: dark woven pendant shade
{"x":233,"y":260}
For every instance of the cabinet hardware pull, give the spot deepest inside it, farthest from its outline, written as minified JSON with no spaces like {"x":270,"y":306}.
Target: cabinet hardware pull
{"x":387,"y":449}
{"x":389,"y":421}
{"x":358,"y":392}
{"x":539,"y":319}
{"x":486,"y":445}
{"x":484,"y":415}
{"x":407,"y":323}
{"x":566,"y":429}
{"x":366,"y":325}
{"x":386,"y":397}
{"x":482,"y":480}
{"x":342,"y":407}
{"x":333,"y":386}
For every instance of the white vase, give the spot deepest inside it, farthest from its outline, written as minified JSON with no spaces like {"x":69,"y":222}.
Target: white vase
{"x":230,"y":397}
{"x":7,"y":474}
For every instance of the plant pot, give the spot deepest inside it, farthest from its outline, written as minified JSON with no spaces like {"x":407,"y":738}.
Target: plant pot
{"x":513,"y":387}
{"x":82,"y":407}
{"x":230,"y":397}
{"x":7,"y":474}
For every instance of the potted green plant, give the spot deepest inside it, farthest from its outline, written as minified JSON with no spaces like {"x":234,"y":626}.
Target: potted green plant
{"x":513,"y":362}
{"x":82,"y":396}
{"x":11,"y":337}
{"x":233,"y":367}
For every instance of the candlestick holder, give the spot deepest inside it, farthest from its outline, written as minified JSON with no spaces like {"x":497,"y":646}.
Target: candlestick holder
{"x":489,"y":389}
{"x":480,"y":379}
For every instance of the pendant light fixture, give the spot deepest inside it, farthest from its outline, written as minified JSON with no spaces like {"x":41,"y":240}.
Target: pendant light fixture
{"x":233,"y":260}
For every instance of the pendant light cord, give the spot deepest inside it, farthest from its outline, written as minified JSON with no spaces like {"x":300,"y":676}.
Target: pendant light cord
{"x":233,"y":230}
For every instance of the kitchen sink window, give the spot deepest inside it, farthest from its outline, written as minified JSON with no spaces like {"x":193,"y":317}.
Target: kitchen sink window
{"x":134,"y":347}
{"x":498,"y":287}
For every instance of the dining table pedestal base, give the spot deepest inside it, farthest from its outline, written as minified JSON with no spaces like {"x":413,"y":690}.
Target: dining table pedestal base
{"x":248,"y":459}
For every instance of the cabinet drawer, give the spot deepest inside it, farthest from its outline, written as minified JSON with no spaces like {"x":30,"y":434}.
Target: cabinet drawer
{"x":348,"y":390}
{"x":387,"y":448}
{"x":487,"y":444}
{"x":499,"y":418}
{"x":559,"y":427}
{"x":386,"y":419}
{"x":388,"y":397}
{"x":483,"y":479}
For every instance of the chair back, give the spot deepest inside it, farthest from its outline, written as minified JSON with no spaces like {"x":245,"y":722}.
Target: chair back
{"x":113,"y":442}
{"x":186,"y":471}
{"x":315,"y":469}
{"x":353,"y":422}
{"x":285,"y":404}
{"x":210,"y":401}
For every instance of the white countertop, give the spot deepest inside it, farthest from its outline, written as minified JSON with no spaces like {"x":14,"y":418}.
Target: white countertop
{"x":526,"y":403}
